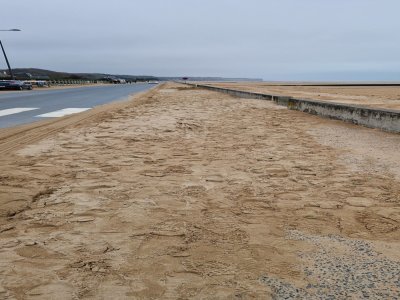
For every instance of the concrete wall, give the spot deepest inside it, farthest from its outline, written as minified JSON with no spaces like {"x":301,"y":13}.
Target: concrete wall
{"x":388,"y":120}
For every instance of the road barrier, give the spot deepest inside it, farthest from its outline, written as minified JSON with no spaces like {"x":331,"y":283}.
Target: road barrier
{"x":384,"y":119}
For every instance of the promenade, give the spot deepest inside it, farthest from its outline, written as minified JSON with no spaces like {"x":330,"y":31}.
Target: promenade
{"x":186,"y":193}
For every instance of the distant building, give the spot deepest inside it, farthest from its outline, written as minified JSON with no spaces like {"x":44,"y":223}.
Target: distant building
{"x":29,"y":76}
{"x":41,"y":77}
{"x":23,"y":76}
{"x":114,"y":80}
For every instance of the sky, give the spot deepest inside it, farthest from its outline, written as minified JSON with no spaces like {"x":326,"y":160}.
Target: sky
{"x":269,"y":39}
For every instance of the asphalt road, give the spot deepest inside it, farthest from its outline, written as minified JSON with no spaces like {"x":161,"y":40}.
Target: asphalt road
{"x":22,"y":107}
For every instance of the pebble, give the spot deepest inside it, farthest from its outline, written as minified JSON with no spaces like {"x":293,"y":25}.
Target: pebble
{"x":356,"y":272}
{"x":30,"y":243}
{"x":95,"y":269}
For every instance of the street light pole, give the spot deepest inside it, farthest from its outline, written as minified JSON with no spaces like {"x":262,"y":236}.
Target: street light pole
{"x":8,"y":63}
{"x":5,"y":56}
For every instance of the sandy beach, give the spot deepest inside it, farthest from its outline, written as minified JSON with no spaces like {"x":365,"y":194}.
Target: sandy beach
{"x":184,"y":193}
{"x":372,"y":96}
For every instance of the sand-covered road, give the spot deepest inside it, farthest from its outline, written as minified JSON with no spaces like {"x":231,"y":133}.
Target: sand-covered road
{"x":186,"y":193}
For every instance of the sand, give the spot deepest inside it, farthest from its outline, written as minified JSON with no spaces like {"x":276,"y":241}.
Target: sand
{"x":186,"y":193}
{"x":378,"y":97}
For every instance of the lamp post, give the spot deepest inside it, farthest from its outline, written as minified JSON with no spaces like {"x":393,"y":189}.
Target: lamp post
{"x":4,"y":52}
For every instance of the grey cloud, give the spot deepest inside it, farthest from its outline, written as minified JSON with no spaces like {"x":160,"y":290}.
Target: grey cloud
{"x":289,"y":39}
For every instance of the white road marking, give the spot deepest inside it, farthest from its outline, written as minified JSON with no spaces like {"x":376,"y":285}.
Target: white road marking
{"x":11,"y":111}
{"x":62,"y":112}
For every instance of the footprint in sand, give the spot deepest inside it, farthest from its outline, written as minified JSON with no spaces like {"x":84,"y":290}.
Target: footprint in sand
{"x":277,"y":172}
{"x":359,"y":202}
{"x":377,"y":224}
{"x":288,"y":196}
{"x":57,"y":290}
{"x":110,"y":169}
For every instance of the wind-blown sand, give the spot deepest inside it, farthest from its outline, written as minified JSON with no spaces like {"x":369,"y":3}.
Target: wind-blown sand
{"x":186,"y":193}
{"x":387,"y":97}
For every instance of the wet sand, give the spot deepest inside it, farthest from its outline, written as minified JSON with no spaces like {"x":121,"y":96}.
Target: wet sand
{"x":378,"y":97}
{"x":186,"y":193}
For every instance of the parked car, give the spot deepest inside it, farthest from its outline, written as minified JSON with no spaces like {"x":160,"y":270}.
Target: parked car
{"x":15,"y":85}
{"x":38,"y":83}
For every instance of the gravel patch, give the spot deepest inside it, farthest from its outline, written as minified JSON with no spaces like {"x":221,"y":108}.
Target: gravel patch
{"x":340,"y":269}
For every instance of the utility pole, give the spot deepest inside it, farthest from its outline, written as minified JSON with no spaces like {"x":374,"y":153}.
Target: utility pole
{"x":8,"y":63}
{"x":5,"y":55}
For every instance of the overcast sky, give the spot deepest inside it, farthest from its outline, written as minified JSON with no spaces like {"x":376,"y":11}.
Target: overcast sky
{"x":269,"y":39}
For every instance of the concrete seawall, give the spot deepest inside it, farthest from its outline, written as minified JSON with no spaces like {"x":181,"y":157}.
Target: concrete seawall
{"x":388,"y":120}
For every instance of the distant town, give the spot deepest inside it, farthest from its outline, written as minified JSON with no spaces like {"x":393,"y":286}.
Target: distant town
{"x":47,"y":75}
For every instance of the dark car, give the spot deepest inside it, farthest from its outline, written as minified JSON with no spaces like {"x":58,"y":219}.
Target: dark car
{"x":15,"y":85}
